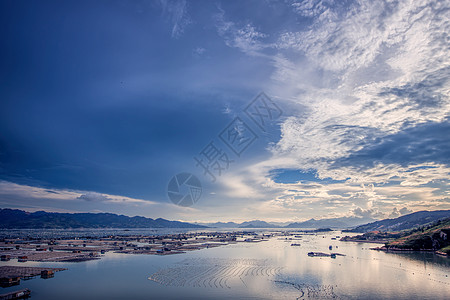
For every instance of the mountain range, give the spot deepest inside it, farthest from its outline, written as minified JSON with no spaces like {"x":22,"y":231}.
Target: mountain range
{"x":14,"y":218}
{"x":359,"y":224}
{"x":247,"y":224}
{"x":405,"y":222}
{"x":344,"y":222}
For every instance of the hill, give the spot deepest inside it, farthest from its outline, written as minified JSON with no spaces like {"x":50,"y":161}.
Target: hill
{"x":405,"y":222}
{"x":246,"y":224}
{"x":257,"y":224}
{"x":344,"y":222}
{"x":221,"y":225}
{"x":433,"y":237}
{"x":19,"y":219}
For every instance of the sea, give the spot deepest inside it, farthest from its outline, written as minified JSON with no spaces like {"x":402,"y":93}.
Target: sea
{"x":278,"y":268}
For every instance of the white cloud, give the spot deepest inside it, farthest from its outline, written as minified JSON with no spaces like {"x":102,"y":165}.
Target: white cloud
{"x":361,"y":73}
{"x":358,"y":73}
{"x":355,"y":74}
{"x":176,"y":13}
{"x":32,"y":198}
{"x":199,"y":51}
{"x":244,"y":37}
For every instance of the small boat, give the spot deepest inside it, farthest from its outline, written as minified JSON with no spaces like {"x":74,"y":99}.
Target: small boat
{"x":318,"y":254}
{"x":331,"y":247}
{"x":295,"y":244}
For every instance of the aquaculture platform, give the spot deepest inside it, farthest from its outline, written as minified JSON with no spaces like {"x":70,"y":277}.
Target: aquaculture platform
{"x":11,"y":275}
{"x":20,"y":294}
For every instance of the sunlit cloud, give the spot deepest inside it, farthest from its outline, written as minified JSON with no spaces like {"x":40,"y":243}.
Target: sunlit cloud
{"x":364,"y":88}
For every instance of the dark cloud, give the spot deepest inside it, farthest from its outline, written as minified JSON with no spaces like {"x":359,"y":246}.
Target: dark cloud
{"x":93,"y":197}
{"x":423,"y":94}
{"x":52,"y":192}
{"x":120,"y":106}
{"x":427,"y":142}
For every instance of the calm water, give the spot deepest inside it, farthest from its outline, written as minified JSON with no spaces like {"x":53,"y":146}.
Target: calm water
{"x":267,"y":270}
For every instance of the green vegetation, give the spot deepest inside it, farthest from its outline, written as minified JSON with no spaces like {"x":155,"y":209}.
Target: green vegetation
{"x":374,"y":236}
{"x":431,"y":237}
{"x":406,"y":222}
{"x":434,"y":237}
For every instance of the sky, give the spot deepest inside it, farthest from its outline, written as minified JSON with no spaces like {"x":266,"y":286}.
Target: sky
{"x":283,"y":110}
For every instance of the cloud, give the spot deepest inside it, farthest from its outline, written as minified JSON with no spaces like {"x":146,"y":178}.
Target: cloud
{"x":430,"y":92}
{"x":368,"y":213}
{"x":199,"y":51}
{"x":372,"y":194}
{"x":8,"y":189}
{"x":394,"y":214}
{"x":365,"y":84}
{"x":18,"y":192}
{"x":244,"y":37}
{"x":94,"y":197}
{"x":33,"y":198}
{"x":399,"y":212}
{"x":176,"y":12}
{"x":369,"y":85}
{"x":424,"y":143}
{"x":313,"y":8}
{"x":52,"y":192}
{"x":390,"y":122}
{"x":405,"y":211}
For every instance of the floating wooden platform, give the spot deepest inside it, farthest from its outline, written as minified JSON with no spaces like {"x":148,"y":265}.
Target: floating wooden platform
{"x":24,"y":272}
{"x":20,"y":294}
{"x":321,"y":254}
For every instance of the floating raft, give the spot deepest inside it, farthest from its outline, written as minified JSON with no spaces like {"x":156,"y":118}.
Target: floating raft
{"x":23,"y":272}
{"x":321,"y":254}
{"x":11,"y":275}
{"x":20,"y":294}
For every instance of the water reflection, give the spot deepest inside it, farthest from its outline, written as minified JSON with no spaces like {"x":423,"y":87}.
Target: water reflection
{"x":271,"y":269}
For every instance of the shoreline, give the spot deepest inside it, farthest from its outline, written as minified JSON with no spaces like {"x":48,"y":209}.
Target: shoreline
{"x":384,"y":249}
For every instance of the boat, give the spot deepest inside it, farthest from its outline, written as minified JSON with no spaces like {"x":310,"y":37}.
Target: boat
{"x":319,"y":254}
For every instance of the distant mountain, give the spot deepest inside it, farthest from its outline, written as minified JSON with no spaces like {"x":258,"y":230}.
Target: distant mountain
{"x":247,"y":224}
{"x":280,"y":224}
{"x":220,"y":225}
{"x":343,"y":222}
{"x":14,"y":218}
{"x":405,"y":222}
{"x":257,"y":224}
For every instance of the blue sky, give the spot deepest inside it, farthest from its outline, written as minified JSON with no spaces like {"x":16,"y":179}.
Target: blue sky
{"x":103,"y":102}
